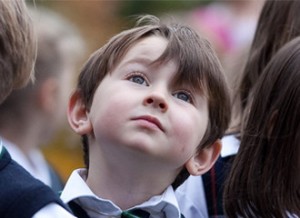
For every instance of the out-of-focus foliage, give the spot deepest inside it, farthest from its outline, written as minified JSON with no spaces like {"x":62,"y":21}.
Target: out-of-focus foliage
{"x":156,"y":7}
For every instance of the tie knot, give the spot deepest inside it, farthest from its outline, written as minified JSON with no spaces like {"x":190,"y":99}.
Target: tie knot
{"x":136,"y":213}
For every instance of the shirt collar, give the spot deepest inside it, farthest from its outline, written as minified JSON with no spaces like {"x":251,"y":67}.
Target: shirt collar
{"x":230,"y":145}
{"x":77,"y":189}
{"x":1,"y":145}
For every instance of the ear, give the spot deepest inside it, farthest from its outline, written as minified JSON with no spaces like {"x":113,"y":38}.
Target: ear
{"x":47,"y":95}
{"x":202,"y":161}
{"x":78,"y":115}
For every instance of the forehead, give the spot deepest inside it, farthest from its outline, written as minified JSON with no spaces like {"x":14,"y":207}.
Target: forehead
{"x":147,"y":50}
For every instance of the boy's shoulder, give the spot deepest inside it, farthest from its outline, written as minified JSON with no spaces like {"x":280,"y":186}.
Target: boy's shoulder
{"x":22,"y":195}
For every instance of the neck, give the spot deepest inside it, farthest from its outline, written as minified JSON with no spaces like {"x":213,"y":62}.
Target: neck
{"x":127,"y":180}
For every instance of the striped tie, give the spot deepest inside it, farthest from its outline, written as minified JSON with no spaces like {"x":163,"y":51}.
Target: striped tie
{"x":80,"y":213}
{"x":136,"y":213}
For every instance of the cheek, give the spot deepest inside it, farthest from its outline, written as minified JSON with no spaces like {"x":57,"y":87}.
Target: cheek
{"x":189,"y":129}
{"x":109,"y":110}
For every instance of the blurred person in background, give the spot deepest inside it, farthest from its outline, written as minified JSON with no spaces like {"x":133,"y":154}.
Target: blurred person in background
{"x":30,"y":117}
{"x":21,"y":196}
{"x":278,"y":24}
{"x":264,"y":179}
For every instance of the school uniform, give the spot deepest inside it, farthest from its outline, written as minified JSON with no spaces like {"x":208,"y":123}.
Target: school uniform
{"x":77,"y":191}
{"x":201,"y":196}
{"x":37,"y":166}
{"x":23,"y":196}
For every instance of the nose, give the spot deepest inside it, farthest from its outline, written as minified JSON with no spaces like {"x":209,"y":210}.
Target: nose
{"x":157,"y":101}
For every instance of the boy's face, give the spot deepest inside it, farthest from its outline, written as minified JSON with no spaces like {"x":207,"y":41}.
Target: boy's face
{"x":138,"y":108}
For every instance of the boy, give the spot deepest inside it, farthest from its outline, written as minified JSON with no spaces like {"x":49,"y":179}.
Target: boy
{"x":21,"y":195}
{"x":150,"y":105}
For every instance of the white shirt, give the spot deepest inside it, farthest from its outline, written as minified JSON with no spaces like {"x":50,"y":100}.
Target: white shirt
{"x":96,"y":207}
{"x":1,"y":146}
{"x":191,"y":194}
{"x":230,"y":145}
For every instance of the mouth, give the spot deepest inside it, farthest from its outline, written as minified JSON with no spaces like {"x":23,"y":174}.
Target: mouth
{"x":151,"y":120}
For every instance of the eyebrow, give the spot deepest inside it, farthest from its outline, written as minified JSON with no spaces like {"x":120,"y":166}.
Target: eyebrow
{"x":143,"y":61}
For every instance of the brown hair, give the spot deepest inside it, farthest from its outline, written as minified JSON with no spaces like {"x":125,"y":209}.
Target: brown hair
{"x":264,"y":179}
{"x":17,"y":46}
{"x":198,"y":66}
{"x":278,"y":23}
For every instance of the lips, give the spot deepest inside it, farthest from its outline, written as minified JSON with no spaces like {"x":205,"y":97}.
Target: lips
{"x":152,"y":120}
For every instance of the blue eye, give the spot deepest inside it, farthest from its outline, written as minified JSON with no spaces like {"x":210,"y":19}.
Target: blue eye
{"x":138,"y":79}
{"x":184,"y":96}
